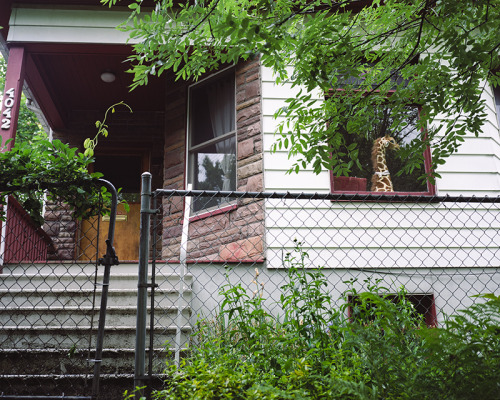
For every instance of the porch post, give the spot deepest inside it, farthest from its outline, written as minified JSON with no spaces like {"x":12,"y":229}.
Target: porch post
{"x":11,"y":101}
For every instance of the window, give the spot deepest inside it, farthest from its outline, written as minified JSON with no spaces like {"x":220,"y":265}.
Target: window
{"x":423,"y":306}
{"x":380,"y":146}
{"x":212,"y":138}
{"x":378,"y":157}
{"x":496,"y":93}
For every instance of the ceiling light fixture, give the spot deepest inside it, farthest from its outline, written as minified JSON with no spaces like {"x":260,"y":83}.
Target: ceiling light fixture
{"x":108,"y":77}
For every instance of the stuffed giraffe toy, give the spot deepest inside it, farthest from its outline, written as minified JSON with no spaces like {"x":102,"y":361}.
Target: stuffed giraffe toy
{"x":381,"y":179}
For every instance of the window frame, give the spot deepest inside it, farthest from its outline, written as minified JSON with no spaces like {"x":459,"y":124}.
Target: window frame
{"x":496,"y":100}
{"x":431,"y":187}
{"x":191,"y":150}
{"x":424,"y":303}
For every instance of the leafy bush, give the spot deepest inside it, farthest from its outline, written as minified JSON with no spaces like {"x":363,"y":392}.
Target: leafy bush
{"x":314,"y":350}
{"x":36,"y":167}
{"x":30,"y":168}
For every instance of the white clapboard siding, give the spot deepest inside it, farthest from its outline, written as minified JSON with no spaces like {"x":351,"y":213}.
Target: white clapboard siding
{"x":475,"y":169}
{"x":374,"y":235}
{"x":277,"y":164}
{"x":68,"y":25}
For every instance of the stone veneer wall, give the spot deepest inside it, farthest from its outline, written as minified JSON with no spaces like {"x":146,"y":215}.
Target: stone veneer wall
{"x":236,"y":234}
{"x":60,"y":224}
{"x":62,"y":229}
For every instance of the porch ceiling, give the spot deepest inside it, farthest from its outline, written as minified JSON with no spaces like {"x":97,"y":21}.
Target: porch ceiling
{"x":66,"y":83}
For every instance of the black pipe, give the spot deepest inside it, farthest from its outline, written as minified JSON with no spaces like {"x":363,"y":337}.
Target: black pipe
{"x":108,"y":260}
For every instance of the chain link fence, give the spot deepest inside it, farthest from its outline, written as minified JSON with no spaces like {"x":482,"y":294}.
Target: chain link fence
{"x":443,"y":250}
{"x":50,"y":299}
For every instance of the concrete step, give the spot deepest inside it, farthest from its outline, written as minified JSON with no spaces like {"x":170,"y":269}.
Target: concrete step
{"x":48,"y":317}
{"x":112,"y":386}
{"x":39,"y":337}
{"x":14,"y":298}
{"x":73,"y":361}
{"x":77,"y":316}
{"x":84,"y":269}
{"x":25,"y":281}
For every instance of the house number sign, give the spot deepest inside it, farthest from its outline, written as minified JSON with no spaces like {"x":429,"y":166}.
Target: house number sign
{"x":8,"y":102}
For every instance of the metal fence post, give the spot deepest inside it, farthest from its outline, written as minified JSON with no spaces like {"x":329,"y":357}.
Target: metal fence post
{"x":108,"y":260}
{"x":142,"y":287}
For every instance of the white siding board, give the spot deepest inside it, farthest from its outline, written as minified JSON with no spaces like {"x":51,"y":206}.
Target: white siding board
{"x":270,"y":106}
{"x":481,"y":145}
{"x":382,"y":219}
{"x":268,"y":74}
{"x":96,"y":17}
{"x":390,"y":239}
{"x":471,"y":163}
{"x":388,"y":258}
{"x":305,"y":181}
{"x":70,"y":35}
{"x":469,"y":183}
{"x":283,"y":92}
{"x":269,"y":125}
{"x":276,"y":165}
{"x":66,"y":25}
{"x":283,"y":161}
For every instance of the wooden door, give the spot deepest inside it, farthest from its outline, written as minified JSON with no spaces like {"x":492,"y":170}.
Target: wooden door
{"x":127,"y":230}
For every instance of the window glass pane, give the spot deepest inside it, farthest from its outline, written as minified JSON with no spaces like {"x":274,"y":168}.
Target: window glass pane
{"x":200,"y":119}
{"x":214,"y":169}
{"x":496,"y":92}
{"x":212,"y":111}
{"x":379,"y":125}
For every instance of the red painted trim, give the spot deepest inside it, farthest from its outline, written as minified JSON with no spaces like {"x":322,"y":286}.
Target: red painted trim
{"x":14,"y":79}
{"x":25,"y":240}
{"x":219,"y":211}
{"x":43,"y":96}
{"x":431,"y":316}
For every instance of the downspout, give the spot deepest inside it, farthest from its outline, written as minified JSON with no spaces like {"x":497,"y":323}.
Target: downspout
{"x":182,"y":274}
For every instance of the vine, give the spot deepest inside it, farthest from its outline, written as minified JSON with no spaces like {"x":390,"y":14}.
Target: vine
{"x":41,"y":168}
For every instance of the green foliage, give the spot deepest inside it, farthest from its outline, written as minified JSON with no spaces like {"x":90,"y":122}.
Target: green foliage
{"x":434,"y":54}
{"x":32,"y":168}
{"x":314,"y":350}
{"x":102,"y":129}
{"x":465,"y":354}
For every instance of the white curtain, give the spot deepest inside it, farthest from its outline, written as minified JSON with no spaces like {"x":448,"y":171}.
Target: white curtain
{"x":221,"y":106}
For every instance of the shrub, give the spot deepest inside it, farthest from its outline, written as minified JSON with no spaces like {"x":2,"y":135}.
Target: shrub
{"x":382,"y":350}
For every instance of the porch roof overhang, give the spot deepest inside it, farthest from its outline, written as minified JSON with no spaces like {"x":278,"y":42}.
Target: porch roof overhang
{"x":67,"y":49}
